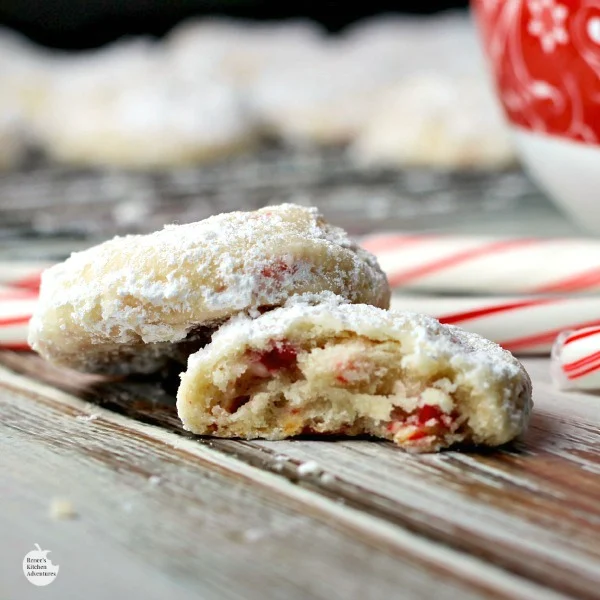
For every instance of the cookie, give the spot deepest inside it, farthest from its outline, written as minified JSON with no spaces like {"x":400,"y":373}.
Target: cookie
{"x":436,"y":120}
{"x":13,"y":140}
{"x":329,"y":94}
{"x":322,"y":97}
{"x":25,"y":72}
{"x":320,"y":365}
{"x":134,"y":303}
{"x":237,"y":50}
{"x":150,"y":125}
{"x":129,"y":108}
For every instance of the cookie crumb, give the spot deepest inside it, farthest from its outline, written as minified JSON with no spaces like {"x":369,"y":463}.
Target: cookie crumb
{"x":62,"y":510}
{"x":279,"y":461}
{"x":310,"y":467}
{"x":254,"y":535}
{"x":326,"y":478}
{"x":86,"y":418}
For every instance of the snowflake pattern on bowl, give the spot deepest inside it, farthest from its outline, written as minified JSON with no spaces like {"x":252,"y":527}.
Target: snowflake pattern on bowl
{"x":547,"y":22}
{"x":545,"y":57}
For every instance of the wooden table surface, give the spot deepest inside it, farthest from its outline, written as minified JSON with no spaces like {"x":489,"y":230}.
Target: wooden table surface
{"x":161,"y":514}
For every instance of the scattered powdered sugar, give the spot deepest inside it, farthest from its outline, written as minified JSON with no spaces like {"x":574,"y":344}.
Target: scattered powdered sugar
{"x":269,"y":530}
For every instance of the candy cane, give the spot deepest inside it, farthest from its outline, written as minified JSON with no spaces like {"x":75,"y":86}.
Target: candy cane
{"x":459,"y":264}
{"x":21,"y":274}
{"x":15,"y":293}
{"x":16,"y":308}
{"x":575,"y":361}
{"x":18,"y":297}
{"x":523,"y":325}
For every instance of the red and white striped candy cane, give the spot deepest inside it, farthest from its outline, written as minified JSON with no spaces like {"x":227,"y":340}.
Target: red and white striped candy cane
{"x":576,"y":359}
{"x":21,"y":274}
{"x":523,"y":325}
{"x":473,"y":264}
{"x":16,"y":308}
{"x":18,"y":295}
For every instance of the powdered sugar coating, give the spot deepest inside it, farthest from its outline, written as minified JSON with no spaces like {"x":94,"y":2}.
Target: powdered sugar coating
{"x":326,"y":311}
{"x":101,"y":305}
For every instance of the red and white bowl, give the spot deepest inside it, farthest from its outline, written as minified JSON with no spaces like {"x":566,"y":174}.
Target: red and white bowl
{"x":545,"y":57}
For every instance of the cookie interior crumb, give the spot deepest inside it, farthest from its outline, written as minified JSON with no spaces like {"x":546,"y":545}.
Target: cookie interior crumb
{"x":62,"y":509}
{"x":347,"y":384}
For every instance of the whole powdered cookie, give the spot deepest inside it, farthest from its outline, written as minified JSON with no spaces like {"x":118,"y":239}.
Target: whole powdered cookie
{"x":440,"y":120}
{"x":321,"y":365}
{"x":135,"y":302}
{"x":130,"y":107}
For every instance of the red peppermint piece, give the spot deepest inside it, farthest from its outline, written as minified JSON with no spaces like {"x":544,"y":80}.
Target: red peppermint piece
{"x":428,"y":412}
{"x":418,"y":434}
{"x":281,"y":356}
{"x":427,"y":420}
{"x":277,"y":270}
{"x":343,"y":370}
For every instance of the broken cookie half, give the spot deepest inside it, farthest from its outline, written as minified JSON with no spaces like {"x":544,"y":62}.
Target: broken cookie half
{"x":320,"y":365}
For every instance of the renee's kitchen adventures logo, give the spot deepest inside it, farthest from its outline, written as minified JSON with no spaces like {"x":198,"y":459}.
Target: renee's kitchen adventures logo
{"x":38,"y":568}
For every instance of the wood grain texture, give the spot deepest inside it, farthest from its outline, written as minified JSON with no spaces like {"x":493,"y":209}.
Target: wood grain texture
{"x":212,"y":524}
{"x":518,"y":522}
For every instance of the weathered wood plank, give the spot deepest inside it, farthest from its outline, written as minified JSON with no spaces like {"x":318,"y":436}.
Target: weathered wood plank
{"x":532,"y":508}
{"x":165,"y":510}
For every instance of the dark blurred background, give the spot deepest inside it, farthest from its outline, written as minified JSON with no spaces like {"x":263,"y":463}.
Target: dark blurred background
{"x":90,"y":23}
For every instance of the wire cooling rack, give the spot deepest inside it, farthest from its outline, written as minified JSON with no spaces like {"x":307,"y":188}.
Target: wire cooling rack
{"x":48,"y":210}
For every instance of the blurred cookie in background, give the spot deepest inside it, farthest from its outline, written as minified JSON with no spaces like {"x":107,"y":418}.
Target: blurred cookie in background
{"x":13,"y":141}
{"x":238,"y":51}
{"x":24,"y":82}
{"x":320,"y":99}
{"x":397,"y":90}
{"x":126,"y":106}
{"x":436,"y":121}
